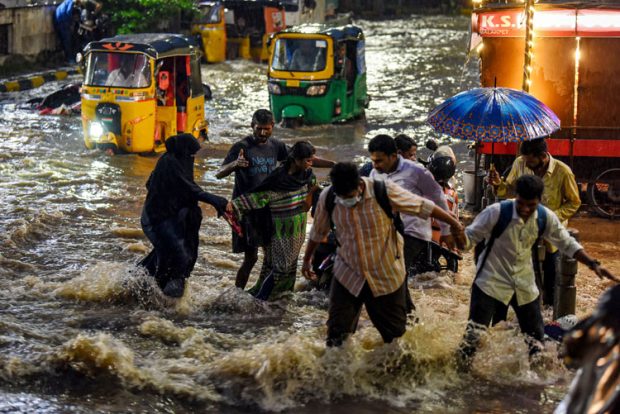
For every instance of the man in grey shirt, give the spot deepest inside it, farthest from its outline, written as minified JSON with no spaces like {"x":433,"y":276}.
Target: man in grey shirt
{"x":417,"y":179}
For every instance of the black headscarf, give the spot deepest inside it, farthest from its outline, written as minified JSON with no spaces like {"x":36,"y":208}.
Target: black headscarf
{"x":171,"y":185}
{"x":183,"y":147}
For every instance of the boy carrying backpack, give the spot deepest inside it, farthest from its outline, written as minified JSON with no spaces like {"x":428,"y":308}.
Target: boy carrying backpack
{"x":504,"y":272}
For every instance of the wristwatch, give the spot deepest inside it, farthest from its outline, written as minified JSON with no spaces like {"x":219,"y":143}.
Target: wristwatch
{"x":594,"y":263}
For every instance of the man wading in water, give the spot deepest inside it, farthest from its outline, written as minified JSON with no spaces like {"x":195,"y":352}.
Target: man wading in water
{"x":504,"y":273}
{"x":414,"y":177}
{"x":369,"y":268}
{"x":561,"y":196}
{"x":171,"y":216}
{"x":252,"y":159}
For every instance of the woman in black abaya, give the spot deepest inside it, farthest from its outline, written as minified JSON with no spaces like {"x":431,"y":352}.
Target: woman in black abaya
{"x":171,"y":216}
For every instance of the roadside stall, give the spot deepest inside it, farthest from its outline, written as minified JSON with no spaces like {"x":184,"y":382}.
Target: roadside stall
{"x":566,"y":55}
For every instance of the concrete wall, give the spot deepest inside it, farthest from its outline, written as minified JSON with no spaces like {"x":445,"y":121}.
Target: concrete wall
{"x":31,"y":30}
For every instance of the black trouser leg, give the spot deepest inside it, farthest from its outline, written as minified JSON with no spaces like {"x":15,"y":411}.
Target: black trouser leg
{"x":250,"y":257}
{"x":413,"y":251}
{"x":481,"y":311}
{"x":343,"y":313}
{"x":550,"y":268}
{"x":388,"y":313}
{"x":530,"y":321}
{"x":416,"y":255}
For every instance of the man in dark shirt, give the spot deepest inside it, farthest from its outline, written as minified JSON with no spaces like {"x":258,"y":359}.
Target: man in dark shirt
{"x":252,"y":159}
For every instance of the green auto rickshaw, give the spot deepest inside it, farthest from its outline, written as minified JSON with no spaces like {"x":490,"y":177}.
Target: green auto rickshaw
{"x":317,"y":75}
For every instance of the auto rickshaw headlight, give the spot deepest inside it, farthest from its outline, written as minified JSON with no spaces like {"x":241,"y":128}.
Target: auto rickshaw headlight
{"x":316,"y":90}
{"x":274,"y":89}
{"x":95,"y":130}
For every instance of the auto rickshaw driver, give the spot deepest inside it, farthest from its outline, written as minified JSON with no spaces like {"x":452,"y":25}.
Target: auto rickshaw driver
{"x":307,"y":57}
{"x":128,"y":75}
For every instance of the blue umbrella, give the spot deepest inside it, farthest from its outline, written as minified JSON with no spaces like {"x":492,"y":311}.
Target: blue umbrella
{"x":494,"y":115}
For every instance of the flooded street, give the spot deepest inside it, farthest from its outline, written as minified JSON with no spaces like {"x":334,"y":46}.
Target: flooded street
{"x":83,"y":330}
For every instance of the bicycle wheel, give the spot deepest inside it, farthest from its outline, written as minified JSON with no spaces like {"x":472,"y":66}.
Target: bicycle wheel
{"x":604,"y":193}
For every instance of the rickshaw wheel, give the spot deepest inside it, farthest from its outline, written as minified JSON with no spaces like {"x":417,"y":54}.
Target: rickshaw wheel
{"x":604,"y":193}
{"x":109,"y":149}
{"x":292,"y":122}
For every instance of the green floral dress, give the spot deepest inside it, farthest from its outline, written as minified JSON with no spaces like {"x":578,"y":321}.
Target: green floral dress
{"x":288,"y":223}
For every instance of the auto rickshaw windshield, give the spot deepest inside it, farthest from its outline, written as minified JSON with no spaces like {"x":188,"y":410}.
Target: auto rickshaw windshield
{"x":299,"y":55}
{"x":209,"y":14}
{"x":120,"y":70}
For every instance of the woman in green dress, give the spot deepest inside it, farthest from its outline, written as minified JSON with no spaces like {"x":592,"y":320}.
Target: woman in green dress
{"x":285,"y":195}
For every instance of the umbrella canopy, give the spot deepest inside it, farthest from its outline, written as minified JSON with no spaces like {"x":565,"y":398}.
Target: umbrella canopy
{"x":494,"y":115}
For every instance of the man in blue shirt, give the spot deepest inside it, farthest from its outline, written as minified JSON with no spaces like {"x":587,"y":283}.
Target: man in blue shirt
{"x":64,"y":24}
{"x":388,"y":164}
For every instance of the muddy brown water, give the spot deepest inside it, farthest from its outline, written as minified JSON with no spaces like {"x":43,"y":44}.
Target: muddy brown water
{"x":82,"y":330}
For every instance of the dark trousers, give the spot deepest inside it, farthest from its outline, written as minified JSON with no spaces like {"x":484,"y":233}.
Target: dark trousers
{"x":417,"y":255}
{"x":482,"y":313}
{"x":550,"y":268}
{"x":417,"y":260}
{"x":388,"y":313}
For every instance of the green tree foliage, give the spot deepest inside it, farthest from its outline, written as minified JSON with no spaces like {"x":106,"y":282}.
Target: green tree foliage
{"x":136,"y":16}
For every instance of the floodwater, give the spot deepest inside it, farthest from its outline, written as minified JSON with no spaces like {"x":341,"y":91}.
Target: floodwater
{"x":82,"y":330}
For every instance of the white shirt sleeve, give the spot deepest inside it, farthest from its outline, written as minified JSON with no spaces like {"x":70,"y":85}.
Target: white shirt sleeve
{"x":482,"y":225}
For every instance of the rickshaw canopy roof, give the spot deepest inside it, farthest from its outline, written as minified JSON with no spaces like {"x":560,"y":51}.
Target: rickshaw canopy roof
{"x":348,"y":32}
{"x":155,"y":45}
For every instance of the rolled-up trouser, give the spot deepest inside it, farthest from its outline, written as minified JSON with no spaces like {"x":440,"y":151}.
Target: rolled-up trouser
{"x":388,"y":313}
{"x":482,"y":313}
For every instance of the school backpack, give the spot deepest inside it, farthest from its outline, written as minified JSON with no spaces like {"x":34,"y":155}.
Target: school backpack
{"x":506,"y":208}
{"x":382,"y":198}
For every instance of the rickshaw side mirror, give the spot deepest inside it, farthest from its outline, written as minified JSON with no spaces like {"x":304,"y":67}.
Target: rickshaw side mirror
{"x":163,"y":80}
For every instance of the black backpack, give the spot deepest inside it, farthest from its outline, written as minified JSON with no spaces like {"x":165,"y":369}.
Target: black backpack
{"x":382,"y":198}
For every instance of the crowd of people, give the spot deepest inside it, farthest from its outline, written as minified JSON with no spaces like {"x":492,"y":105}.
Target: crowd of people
{"x":377,"y":225}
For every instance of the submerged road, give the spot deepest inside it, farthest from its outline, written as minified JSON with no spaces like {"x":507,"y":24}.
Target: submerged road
{"x":81,"y":330}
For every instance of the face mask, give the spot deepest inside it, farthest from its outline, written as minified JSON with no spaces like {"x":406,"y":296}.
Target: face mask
{"x":348,"y":202}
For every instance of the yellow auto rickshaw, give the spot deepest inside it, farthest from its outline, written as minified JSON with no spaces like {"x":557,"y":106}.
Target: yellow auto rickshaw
{"x":141,"y":89}
{"x":230,"y":29}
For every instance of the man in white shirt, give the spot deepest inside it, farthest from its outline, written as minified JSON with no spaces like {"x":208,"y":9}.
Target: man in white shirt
{"x":125,"y":76}
{"x":504,"y":273}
